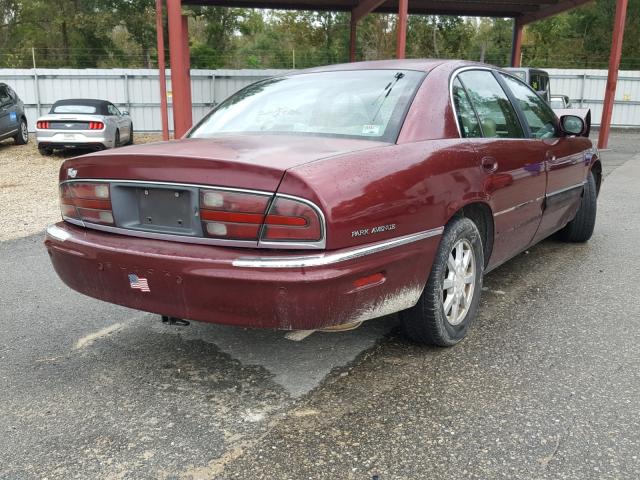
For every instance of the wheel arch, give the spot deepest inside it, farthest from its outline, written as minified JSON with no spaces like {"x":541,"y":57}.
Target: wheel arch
{"x":481,"y":214}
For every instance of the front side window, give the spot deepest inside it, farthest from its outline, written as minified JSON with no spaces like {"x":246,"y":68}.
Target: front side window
{"x":540,"y":118}
{"x":359,"y":103}
{"x":497,"y":116}
{"x":467,"y":120}
{"x":113,"y":110}
{"x":535,"y":82}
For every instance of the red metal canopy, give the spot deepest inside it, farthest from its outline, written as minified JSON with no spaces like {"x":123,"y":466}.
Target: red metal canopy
{"x":522,"y":11}
{"x":528,"y":9}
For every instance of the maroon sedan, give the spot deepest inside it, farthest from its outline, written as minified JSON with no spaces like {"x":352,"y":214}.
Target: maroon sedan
{"x":331,"y":196}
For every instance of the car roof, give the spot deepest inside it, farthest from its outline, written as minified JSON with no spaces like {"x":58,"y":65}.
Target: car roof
{"x":92,"y":102}
{"x":100,"y":105}
{"x":419,"y":64}
{"x":526,"y":69}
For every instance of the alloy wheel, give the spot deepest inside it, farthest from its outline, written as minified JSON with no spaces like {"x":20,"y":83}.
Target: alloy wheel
{"x":459,"y":282}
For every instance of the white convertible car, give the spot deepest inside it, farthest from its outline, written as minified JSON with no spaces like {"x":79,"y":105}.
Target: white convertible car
{"x":83,"y":123}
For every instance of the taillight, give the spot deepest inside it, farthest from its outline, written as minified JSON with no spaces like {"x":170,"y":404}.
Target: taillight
{"x":42,"y":125}
{"x":244,"y":216}
{"x":96,"y":125}
{"x":89,"y":202}
{"x":292,"y":220}
{"x":232,"y":215}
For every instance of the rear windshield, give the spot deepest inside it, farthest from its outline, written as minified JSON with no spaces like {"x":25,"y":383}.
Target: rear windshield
{"x":73,"y":109}
{"x":359,"y":104}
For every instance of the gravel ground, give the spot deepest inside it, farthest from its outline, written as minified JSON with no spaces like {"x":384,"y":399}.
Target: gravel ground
{"x":29,"y":187}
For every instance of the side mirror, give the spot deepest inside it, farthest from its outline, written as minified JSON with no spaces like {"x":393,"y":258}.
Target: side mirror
{"x":572,"y":125}
{"x":125,"y":113}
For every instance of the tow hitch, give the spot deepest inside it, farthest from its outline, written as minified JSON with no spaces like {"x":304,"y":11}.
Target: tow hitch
{"x":175,"y":321}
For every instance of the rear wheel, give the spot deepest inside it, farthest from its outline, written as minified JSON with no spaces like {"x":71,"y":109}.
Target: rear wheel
{"x":130,"y":141}
{"x":581,"y":227}
{"x":22,"y":137}
{"x":46,"y":151}
{"x":449,"y":303}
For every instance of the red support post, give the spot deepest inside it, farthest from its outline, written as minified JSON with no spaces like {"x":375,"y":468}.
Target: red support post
{"x":401,"y":30}
{"x":187,"y":65}
{"x":180,"y":75}
{"x":516,"y":46}
{"x":612,"y":77}
{"x":164,"y":110}
{"x":359,"y":11}
{"x":352,"y":38}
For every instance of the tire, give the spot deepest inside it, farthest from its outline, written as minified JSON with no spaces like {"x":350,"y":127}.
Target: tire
{"x":116,"y":140}
{"x":22,"y":137}
{"x":426,"y":322}
{"x":580,"y":229}
{"x":47,"y":152}
{"x":130,"y":141}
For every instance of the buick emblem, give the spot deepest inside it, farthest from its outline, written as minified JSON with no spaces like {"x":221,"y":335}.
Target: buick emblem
{"x":72,"y":172}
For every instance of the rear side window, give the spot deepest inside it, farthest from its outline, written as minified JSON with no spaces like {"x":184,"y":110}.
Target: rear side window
{"x":497,"y":116}
{"x":4,"y":95}
{"x":467,"y":120}
{"x":539,"y":116}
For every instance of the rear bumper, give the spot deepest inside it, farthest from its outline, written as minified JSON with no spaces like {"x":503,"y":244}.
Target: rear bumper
{"x":71,"y":139}
{"x":237,"y":286}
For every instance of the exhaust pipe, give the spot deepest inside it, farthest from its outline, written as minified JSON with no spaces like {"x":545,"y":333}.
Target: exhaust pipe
{"x":179,"y":322}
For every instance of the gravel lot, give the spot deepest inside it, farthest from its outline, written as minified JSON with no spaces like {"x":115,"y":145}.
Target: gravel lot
{"x":29,"y":187}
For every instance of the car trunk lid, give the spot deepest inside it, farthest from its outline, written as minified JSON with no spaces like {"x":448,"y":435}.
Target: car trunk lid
{"x":255,"y":162}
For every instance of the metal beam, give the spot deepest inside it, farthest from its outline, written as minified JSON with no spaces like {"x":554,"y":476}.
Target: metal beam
{"x":612,"y":78}
{"x":364,"y":7}
{"x":490,"y":8}
{"x":550,"y":11}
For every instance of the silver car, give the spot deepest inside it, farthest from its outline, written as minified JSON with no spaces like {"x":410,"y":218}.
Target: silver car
{"x":83,"y":123}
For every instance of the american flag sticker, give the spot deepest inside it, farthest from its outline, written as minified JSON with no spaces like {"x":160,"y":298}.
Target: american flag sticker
{"x":138,"y":283}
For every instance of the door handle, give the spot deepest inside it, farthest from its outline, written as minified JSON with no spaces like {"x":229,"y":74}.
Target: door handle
{"x":489,"y":164}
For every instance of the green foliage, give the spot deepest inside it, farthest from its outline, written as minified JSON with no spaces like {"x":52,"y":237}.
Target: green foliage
{"x":121,"y":33}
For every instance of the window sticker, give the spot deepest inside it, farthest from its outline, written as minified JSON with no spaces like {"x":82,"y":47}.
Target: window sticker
{"x":13,"y":117}
{"x":371,"y":129}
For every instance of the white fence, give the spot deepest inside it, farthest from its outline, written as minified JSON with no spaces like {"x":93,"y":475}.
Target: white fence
{"x":134,"y":90}
{"x":586,"y":90}
{"x":137,"y":91}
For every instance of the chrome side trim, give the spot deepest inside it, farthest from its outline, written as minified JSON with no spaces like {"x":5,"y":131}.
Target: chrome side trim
{"x":319,"y":245}
{"x":566,"y":189}
{"x":547,"y":195}
{"x":58,"y":233}
{"x":332,"y":258}
{"x":167,"y":236}
{"x":515,"y":207}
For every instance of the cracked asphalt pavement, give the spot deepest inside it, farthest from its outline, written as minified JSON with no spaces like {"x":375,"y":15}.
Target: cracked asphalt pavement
{"x":546,"y":386}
